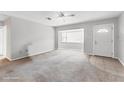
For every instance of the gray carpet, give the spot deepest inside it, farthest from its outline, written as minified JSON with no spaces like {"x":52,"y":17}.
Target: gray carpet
{"x":62,"y":66}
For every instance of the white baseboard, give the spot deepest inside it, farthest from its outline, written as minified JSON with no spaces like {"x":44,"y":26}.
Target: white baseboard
{"x":40,"y":53}
{"x":19,"y":58}
{"x":10,"y":59}
{"x":121,"y":61}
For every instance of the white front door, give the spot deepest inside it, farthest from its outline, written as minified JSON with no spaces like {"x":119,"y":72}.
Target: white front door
{"x":103,"y":42}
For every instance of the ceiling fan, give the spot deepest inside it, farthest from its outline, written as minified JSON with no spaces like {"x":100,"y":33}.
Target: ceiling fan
{"x":60,"y":15}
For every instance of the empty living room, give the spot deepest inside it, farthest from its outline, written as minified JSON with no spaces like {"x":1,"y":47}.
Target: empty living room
{"x":61,"y":46}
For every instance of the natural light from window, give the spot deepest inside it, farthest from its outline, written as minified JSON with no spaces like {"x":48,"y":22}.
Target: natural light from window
{"x":73,"y":36}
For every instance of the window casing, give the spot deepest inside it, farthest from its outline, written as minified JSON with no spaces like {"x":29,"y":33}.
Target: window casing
{"x":71,"y":36}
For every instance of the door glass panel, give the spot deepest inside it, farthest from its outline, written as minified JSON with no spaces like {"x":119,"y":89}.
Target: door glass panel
{"x":102,"y":30}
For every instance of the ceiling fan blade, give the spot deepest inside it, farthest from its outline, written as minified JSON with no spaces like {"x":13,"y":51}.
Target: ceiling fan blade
{"x":72,"y":15}
{"x":69,"y":15}
{"x":51,"y":18}
{"x":60,"y":14}
{"x":48,"y":18}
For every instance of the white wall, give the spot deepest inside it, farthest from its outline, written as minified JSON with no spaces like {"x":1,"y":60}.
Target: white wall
{"x":88,"y":34}
{"x":1,"y":23}
{"x":24,"y":32}
{"x":121,"y":39}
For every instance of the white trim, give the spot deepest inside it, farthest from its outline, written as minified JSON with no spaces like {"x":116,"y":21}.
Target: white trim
{"x":10,"y":59}
{"x":69,"y":30}
{"x":113,"y":39}
{"x":40,"y":53}
{"x":19,"y":58}
{"x":121,"y":61}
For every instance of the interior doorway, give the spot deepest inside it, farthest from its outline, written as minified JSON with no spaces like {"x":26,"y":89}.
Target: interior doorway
{"x":71,"y":39}
{"x":2,"y":42}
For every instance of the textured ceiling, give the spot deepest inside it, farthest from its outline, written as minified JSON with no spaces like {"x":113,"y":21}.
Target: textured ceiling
{"x":80,"y":16}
